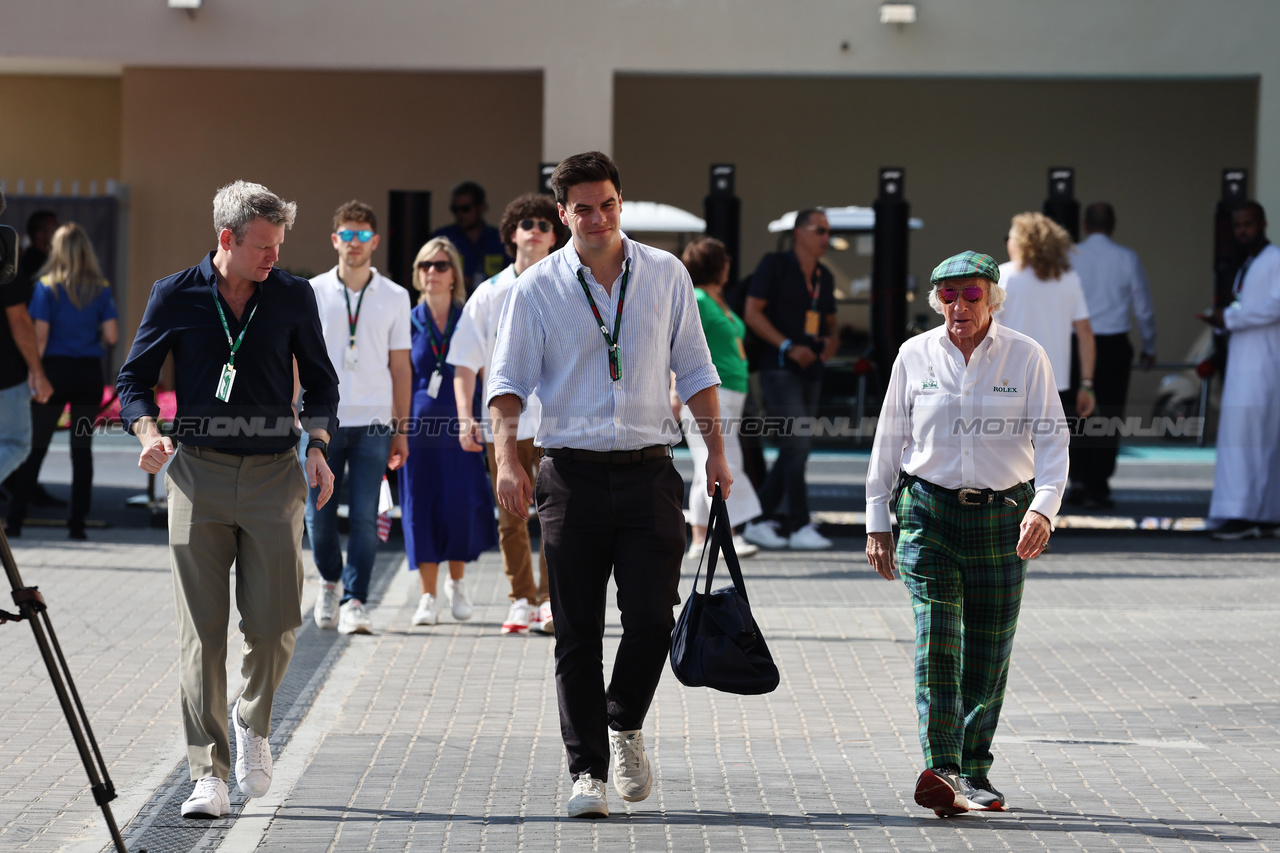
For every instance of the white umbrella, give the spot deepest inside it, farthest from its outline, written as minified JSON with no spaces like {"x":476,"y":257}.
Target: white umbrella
{"x":650,"y":216}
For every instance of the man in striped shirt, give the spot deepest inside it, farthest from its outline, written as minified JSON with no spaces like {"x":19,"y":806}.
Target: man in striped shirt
{"x":597,"y":328}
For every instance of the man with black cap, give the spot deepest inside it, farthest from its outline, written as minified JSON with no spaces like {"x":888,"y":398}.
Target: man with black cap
{"x":971,"y":419}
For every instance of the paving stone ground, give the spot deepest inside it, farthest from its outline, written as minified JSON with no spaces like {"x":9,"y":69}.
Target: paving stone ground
{"x":1143,"y":714}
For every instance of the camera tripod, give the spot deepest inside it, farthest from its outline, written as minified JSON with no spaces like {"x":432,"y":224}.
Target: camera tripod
{"x":31,"y":607}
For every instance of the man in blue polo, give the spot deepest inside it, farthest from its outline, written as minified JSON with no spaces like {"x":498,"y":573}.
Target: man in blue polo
{"x":484,"y":255}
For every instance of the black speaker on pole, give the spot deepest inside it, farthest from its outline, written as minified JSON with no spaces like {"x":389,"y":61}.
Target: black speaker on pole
{"x":723,"y":211}
{"x":889,"y":272}
{"x":544,"y":177}
{"x":408,"y":227}
{"x":1226,"y":251}
{"x":1061,"y":205}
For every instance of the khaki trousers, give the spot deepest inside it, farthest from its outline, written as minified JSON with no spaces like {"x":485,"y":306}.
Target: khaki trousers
{"x":513,"y":533}
{"x":246,"y":510}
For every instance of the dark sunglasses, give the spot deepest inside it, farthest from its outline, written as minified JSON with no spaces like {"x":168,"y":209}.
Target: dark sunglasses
{"x":462,"y":208}
{"x":438,"y":266}
{"x":346,"y":235}
{"x":528,"y":225}
{"x":970,"y":294}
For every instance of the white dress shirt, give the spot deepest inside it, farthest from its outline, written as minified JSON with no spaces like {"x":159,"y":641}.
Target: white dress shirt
{"x":1044,"y":312}
{"x":1113,"y":280}
{"x":475,"y":338}
{"x":990,"y":424}
{"x":549,"y":340}
{"x":382,"y":326}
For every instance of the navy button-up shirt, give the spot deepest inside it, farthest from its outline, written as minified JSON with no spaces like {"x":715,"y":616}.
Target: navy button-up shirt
{"x":182,"y":319}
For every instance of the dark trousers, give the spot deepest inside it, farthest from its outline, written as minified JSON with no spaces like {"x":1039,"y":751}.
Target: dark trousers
{"x":790,"y":396}
{"x":1093,"y":457}
{"x":77,"y":381}
{"x":598,"y":519}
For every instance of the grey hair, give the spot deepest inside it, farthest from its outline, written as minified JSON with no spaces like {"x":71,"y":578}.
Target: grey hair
{"x":995,"y":297}
{"x":237,"y":204}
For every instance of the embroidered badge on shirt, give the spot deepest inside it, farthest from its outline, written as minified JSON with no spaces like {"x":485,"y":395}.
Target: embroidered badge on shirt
{"x":1004,"y":388}
{"x":929,"y":382}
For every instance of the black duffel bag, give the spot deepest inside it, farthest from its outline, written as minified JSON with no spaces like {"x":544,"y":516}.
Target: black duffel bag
{"x":716,"y":642}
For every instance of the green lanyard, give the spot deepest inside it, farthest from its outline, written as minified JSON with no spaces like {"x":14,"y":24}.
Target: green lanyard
{"x":615,"y":363}
{"x":227,"y":329}
{"x":352,"y":319}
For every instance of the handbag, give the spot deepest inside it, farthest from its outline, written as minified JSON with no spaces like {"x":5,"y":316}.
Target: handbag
{"x":716,"y":642}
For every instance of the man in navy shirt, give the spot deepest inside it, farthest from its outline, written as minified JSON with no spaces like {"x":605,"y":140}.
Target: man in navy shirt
{"x":484,"y":255}
{"x":234,"y":326}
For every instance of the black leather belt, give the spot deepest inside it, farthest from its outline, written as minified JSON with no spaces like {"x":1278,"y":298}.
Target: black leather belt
{"x":610,"y":457}
{"x":967,"y":497}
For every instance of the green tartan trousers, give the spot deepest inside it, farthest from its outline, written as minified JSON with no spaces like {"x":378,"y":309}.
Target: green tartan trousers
{"x":965,"y":578}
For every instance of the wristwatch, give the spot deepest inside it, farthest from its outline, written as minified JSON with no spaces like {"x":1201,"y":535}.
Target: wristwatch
{"x":322,"y":445}
{"x":782,"y":352}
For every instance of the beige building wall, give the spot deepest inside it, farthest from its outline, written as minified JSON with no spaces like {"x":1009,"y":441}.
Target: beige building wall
{"x":59,"y":128}
{"x":318,"y":138}
{"x":976,"y":151}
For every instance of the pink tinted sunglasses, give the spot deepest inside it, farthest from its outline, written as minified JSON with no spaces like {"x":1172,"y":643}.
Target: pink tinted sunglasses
{"x":948,"y":295}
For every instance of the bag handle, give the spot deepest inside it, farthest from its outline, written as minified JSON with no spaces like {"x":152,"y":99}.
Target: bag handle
{"x":720,"y":538}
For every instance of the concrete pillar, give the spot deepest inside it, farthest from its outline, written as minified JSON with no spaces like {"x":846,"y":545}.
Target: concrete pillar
{"x":577,"y":116}
{"x":1267,"y":186}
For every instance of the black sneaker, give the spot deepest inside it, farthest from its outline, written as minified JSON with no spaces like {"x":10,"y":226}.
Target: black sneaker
{"x":1237,"y":529}
{"x":984,"y":796}
{"x":944,"y":790}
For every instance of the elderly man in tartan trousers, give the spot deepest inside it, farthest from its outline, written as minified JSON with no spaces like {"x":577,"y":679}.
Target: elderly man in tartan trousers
{"x":972,"y":430}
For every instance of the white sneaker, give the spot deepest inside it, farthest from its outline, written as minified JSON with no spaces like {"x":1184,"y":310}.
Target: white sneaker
{"x":253,"y":759}
{"x":426,"y":612}
{"x":632,"y":776}
{"x":808,"y":538}
{"x":764,"y":533}
{"x":209,"y":800}
{"x":352,"y":618}
{"x":517,"y":621}
{"x":588,"y":798}
{"x":745,"y":549}
{"x":459,"y":603}
{"x":695,"y":550}
{"x":326,"y":612}
{"x":542,"y":620}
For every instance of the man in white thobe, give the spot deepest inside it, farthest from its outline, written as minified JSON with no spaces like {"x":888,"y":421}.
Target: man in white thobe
{"x":1246,"y":487}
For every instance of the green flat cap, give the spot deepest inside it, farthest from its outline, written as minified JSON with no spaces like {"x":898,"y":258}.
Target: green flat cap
{"x":967,"y":265}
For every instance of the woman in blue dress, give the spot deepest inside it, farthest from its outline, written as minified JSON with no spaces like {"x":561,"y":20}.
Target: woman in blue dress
{"x":445,"y":502}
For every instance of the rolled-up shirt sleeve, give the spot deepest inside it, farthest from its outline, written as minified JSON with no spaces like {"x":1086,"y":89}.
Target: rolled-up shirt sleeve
{"x":690,"y":355}
{"x":893,"y":432}
{"x":517,"y":359}
{"x":1050,"y":445}
{"x":315,"y":371}
{"x":141,"y":371}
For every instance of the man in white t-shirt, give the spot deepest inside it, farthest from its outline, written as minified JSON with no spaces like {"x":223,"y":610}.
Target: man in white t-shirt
{"x":365,"y":317}
{"x":530,"y":229}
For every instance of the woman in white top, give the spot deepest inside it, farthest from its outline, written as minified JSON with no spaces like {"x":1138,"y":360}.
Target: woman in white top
{"x":1045,"y":302}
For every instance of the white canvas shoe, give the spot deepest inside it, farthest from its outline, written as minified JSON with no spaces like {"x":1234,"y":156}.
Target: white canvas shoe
{"x":517,"y":621}
{"x":352,"y":618}
{"x":326,"y":612}
{"x":253,"y":759}
{"x":632,"y":775}
{"x":428,"y":610}
{"x":588,"y":798}
{"x":209,"y":800}
{"x":765,"y":534}
{"x":542,"y":620}
{"x":808,"y":538}
{"x":459,"y":601}
{"x":745,"y":549}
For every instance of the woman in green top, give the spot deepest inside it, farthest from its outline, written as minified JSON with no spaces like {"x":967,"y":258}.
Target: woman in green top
{"x":708,"y":265}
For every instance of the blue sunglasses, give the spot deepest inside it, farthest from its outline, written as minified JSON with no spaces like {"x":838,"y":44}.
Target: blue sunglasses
{"x":346,"y":235}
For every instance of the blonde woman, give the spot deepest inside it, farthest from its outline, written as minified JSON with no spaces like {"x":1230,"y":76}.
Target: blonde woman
{"x":446,"y":505}
{"x":1045,"y":301}
{"x":75,"y":316}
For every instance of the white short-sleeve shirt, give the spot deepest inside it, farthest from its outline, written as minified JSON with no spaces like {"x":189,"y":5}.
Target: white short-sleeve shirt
{"x":1044,"y":312}
{"x":382,"y":325}
{"x":475,"y":339}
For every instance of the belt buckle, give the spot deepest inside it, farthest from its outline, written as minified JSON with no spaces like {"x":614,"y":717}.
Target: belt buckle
{"x":964,"y":494}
